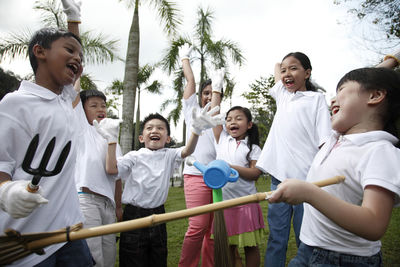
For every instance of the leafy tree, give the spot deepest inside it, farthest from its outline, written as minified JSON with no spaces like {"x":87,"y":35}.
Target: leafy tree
{"x":97,"y":49}
{"x":384,"y":14}
{"x":209,"y":53}
{"x":263,"y":106}
{"x":167,"y":13}
{"x":8,"y":82}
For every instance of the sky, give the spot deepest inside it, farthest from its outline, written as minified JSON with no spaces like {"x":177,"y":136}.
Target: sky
{"x":265,"y":31}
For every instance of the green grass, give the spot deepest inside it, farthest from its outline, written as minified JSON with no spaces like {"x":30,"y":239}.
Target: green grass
{"x":177,"y":229}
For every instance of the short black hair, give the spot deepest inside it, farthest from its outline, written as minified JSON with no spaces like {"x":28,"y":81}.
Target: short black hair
{"x":86,"y":94}
{"x":158,"y":117}
{"x":45,"y":37}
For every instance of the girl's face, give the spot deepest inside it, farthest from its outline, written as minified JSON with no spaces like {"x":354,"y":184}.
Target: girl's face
{"x":95,"y":109}
{"x":293,"y":75}
{"x":237,"y":124}
{"x":206,"y":95}
{"x":349,"y":109}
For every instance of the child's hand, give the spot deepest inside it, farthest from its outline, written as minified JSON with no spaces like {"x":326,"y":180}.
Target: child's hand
{"x":204,"y":120}
{"x":184,"y":51}
{"x":291,"y":191}
{"x":108,"y":128}
{"x":217,"y":80}
{"x":17,"y":201}
{"x":73,"y":10}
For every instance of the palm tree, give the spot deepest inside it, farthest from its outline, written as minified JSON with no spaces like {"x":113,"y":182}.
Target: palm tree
{"x":144,"y":75}
{"x":211,"y":54}
{"x":167,"y":14}
{"x":97,"y":49}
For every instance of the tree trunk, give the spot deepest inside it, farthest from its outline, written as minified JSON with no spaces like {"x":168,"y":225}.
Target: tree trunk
{"x":137,"y":124}
{"x":130,"y":83}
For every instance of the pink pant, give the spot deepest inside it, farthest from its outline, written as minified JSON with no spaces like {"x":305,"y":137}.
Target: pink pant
{"x":197,"y":237}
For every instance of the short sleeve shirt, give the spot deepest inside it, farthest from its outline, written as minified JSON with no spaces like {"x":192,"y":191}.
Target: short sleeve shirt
{"x":147,"y":174}
{"x":300,"y":126}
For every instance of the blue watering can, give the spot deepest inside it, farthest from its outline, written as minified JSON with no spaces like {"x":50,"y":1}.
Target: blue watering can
{"x":216,"y":174}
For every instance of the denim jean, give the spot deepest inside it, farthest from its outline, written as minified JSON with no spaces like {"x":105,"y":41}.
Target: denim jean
{"x":279,"y":223}
{"x":72,"y":254}
{"x":143,"y":247}
{"x":317,"y":257}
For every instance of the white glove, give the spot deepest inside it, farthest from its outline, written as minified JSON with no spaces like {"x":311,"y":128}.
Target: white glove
{"x":17,"y":201}
{"x":204,"y":120}
{"x":73,"y":10}
{"x":217,"y":80}
{"x":395,"y":55}
{"x":184,"y":51}
{"x":108,"y":128}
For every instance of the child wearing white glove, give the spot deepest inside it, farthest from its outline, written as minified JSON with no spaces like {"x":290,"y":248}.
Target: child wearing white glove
{"x":147,"y":172}
{"x":17,"y":201}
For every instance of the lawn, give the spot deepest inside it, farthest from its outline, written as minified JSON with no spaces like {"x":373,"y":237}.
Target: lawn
{"x":176,"y":230}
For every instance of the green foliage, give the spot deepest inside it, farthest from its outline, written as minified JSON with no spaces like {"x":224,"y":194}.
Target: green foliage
{"x":8,"y":82}
{"x":383,"y":13}
{"x":263,"y":106}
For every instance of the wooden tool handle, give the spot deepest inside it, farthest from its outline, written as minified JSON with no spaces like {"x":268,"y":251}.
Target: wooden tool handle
{"x":32,"y":188}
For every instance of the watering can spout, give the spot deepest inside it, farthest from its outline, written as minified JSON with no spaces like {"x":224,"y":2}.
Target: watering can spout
{"x":191,"y":161}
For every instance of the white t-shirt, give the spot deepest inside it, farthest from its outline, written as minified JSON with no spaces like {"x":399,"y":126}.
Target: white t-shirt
{"x":147,"y":174}
{"x":24,"y":113}
{"x":229,"y":150}
{"x":205,"y":150}
{"x":364,"y":159}
{"x":300,"y":126}
{"x":91,"y":159}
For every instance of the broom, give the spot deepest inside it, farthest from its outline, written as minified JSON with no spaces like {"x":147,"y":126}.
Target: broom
{"x":14,"y":246}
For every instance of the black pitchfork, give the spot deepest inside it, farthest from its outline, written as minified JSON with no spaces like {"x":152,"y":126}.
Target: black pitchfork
{"x":41,"y":171}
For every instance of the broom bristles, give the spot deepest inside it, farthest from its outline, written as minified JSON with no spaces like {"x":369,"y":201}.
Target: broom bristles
{"x":222,"y":254}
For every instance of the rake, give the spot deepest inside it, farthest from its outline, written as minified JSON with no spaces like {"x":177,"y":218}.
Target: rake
{"x":14,"y":246}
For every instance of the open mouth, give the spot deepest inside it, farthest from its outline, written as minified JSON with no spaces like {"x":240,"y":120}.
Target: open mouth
{"x":154,"y":138}
{"x":73,"y":67}
{"x":101,"y":116}
{"x":234,"y":128}
{"x":289,"y":82}
{"x":334,"y":110}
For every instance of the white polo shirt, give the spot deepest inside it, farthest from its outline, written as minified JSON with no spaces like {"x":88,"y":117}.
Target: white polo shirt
{"x":24,"y":113}
{"x":147,"y":173}
{"x":91,"y":159}
{"x":300,"y":126}
{"x":364,"y":159}
{"x":235,"y":153}
{"x":205,"y":150}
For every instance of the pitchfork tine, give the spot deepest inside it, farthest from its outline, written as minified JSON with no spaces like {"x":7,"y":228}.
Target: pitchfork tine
{"x":62,"y":158}
{"x":30,"y":153}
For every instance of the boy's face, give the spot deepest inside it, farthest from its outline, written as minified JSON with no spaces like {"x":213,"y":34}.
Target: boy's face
{"x":155,"y":134}
{"x":349,"y":109}
{"x":206,"y":95}
{"x":59,"y":65}
{"x":95,"y":109}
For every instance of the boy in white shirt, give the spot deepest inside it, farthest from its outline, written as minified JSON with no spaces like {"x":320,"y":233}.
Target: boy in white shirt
{"x":44,"y":108}
{"x":147,"y":173}
{"x":99,"y":193}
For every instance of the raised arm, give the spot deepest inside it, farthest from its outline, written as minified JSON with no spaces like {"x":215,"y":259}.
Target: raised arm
{"x":109,"y":129}
{"x":390,"y":61}
{"x":184,"y":55}
{"x":216,"y":85}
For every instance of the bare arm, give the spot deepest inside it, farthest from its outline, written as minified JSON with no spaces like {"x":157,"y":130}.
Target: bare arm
{"x":190,"y":87}
{"x":277,"y":72}
{"x":190,"y":145}
{"x":251,"y":173}
{"x":4,"y":177}
{"x":216,"y":101}
{"x":369,"y":221}
{"x":111,"y":159}
{"x":389,"y":63}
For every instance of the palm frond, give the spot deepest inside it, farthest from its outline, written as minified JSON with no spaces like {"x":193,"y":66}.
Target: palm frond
{"x":97,"y":49}
{"x":168,"y":15}
{"x":15,"y":45}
